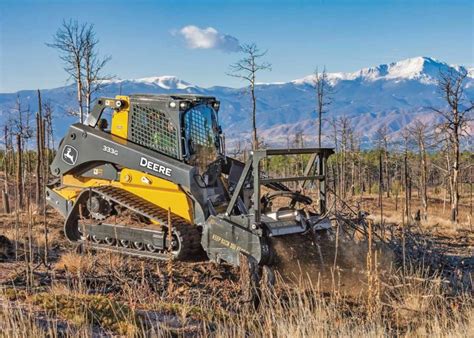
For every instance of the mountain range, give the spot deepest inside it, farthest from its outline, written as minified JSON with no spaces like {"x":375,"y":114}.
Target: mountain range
{"x":392,"y":95}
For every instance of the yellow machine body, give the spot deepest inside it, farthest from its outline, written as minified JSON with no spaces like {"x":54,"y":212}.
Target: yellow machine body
{"x":120,"y":119}
{"x":158,"y":191}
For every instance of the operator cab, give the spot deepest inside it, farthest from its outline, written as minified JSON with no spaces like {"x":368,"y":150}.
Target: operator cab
{"x":184,"y":127}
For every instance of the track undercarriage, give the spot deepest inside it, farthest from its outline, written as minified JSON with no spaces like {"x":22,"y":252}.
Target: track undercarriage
{"x":116,"y":220}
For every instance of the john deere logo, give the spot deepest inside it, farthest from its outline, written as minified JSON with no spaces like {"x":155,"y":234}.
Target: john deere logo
{"x":70,"y":155}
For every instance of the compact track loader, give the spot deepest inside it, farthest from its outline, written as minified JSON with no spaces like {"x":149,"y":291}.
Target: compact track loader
{"x":156,"y":183}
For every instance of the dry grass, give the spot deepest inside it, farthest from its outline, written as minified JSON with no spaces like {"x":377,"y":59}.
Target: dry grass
{"x":97,"y":294}
{"x":76,"y":263}
{"x":438,"y":212}
{"x":413,"y":309}
{"x":308,"y":313}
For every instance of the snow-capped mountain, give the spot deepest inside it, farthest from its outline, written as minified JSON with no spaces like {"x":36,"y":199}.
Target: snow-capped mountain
{"x":392,"y":94}
{"x":164,"y":82}
{"x":423,"y":69}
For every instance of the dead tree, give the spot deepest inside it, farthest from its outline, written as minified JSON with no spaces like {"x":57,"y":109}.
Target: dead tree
{"x":247,"y":69}
{"x":323,"y":91}
{"x":420,"y":133}
{"x":354,"y":157}
{"x":380,"y":189}
{"x":336,"y":172}
{"x":40,"y":159}
{"x":39,"y":151}
{"x":19,"y":173}
{"x":48,"y":131}
{"x":471,"y":181}
{"x":360,"y":182}
{"x":455,"y":118}
{"x":92,"y":66}
{"x":406,"y":179}
{"x":70,"y":42}
{"x":382,"y":136}
{"x":21,"y":129}
{"x":6,"y":169}
{"x":346,"y":129}
{"x":45,"y":153}
{"x":27,"y":134}
{"x":237,"y":150}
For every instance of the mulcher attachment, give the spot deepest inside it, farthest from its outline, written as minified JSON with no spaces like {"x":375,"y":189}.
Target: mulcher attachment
{"x":224,"y":240}
{"x":244,"y":234}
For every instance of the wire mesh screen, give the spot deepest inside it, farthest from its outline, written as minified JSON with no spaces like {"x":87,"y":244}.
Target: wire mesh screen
{"x":152,"y":129}
{"x":200,"y":130}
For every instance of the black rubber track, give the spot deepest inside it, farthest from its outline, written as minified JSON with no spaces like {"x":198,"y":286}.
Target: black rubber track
{"x":189,"y":235}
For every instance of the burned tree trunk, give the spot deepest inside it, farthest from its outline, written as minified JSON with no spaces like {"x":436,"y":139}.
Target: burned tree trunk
{"x":247,"y":69}
{"x":451,"y":86}
{"x":39,"y":160}
{"x":455,"y":179}
{"x":406,"y":184}
{"x":421,"y":136}
{"x":380,"y":179}
{"x":6,"y":168}
{"x":387,"y":174}
{"x":380,"y":191}
{"x":369,"y":180}
{"x":45,"y":153}
{"x":19,"y":173}
{"x":424,"y":184}
{"x":323,"y":91}
{"x":39,"y":153}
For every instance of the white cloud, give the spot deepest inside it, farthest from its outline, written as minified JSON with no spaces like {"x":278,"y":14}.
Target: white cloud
{"x":208,"y":38}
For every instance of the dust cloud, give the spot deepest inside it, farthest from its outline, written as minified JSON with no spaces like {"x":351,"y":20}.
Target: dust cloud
{"x":315,"y":259}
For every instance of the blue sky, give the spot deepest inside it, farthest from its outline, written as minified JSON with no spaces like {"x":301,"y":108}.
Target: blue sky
{"x":152,"y":38}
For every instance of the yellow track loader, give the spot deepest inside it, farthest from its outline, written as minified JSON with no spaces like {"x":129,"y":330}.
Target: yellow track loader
{"x":154,"y":181}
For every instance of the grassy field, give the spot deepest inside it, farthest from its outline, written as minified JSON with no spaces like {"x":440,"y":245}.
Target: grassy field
{"x":412,"y":281}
